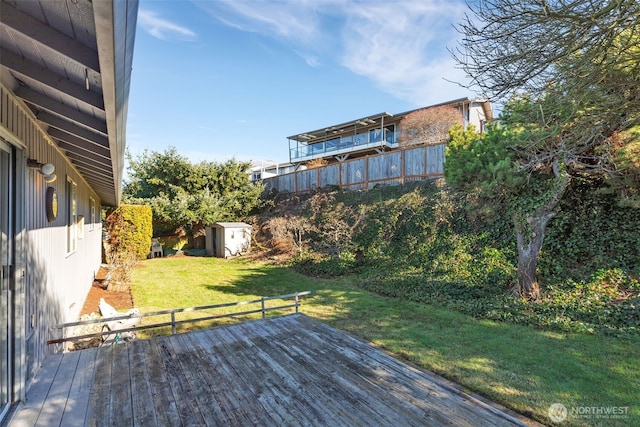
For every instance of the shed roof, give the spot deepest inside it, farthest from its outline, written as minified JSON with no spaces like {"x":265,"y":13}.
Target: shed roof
{"x":233,"y":224}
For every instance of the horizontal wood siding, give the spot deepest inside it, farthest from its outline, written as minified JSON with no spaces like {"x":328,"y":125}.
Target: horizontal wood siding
{"x":57,"y":282}
{"x":391,"y":168}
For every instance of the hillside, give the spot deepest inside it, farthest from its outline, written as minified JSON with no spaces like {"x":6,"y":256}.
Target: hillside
{"x":422,"y":242}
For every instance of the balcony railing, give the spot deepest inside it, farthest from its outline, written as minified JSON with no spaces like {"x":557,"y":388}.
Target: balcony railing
{"x":342,"y":145}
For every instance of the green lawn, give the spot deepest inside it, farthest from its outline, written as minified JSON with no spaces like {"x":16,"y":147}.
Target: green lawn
{"x":522,"y":368}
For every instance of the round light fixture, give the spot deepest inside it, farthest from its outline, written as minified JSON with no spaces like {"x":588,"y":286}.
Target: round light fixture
{"x":48,"y":170}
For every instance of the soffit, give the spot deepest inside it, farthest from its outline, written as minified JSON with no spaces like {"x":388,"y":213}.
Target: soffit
{"x":70,"y":66}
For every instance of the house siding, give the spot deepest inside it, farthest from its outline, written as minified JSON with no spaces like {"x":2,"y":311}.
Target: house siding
{"x":53,"y":283}
{"x":380,"y":132}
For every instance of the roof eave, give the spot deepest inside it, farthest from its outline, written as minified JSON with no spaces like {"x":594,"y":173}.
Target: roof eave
{"x":341,"y":125}
{"x":115,"y":33}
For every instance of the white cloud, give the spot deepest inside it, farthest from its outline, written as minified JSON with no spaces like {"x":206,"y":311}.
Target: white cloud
{"x":311,"y":59}
{"x":401,"y":46}
{"x":162,"y":28}
{"x":287,"y":19}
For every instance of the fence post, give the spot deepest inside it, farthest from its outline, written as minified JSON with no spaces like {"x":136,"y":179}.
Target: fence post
{"x":173,"y":322}
{"x":262,"y":302}
{"x":402,"y":164}
{"x":59,"y":335}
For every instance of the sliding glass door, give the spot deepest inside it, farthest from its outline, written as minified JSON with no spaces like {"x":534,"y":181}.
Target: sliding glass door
{"x":6,"y":264}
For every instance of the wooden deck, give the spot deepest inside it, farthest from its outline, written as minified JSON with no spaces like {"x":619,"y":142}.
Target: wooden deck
{"x":289,"y":370}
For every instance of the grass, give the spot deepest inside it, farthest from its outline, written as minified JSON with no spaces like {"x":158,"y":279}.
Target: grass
{"x":522,"y":368}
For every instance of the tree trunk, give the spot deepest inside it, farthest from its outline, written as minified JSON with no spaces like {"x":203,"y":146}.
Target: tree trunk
{"x":530,"y":231}
{"x":198,"y":229}
{"x":529,"y":239}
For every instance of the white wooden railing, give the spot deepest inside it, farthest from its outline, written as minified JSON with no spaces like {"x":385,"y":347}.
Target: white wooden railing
{"x":263,"y":309}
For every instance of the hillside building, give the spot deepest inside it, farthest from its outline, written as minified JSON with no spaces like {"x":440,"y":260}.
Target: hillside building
{"x":372,"y":134}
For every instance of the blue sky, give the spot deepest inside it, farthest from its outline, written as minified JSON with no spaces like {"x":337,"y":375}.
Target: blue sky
{"x":222,"y":79}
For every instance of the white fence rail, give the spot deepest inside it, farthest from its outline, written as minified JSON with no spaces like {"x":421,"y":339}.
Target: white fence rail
{"x":263,"y":309}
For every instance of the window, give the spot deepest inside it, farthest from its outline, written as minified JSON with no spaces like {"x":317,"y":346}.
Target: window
{"x":375,"y":135}
{"x":332,"y":144}
{"x":80,"y":226}
{"x":346,"y":141}
{"x":72,"y":216}
{"x":390,"y":133}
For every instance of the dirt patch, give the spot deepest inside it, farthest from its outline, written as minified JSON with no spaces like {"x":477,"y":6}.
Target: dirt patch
{"x":121,"y":301}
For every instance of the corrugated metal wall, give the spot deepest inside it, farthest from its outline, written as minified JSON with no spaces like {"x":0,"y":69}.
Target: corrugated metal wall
{"x":56,"y":280}
{"x":395,"y":167}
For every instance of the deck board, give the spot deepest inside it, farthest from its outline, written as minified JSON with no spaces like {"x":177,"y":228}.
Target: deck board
{"x":100,"y":396}
{"x":165,"y":406}
{"x":42,"y":383}
{"x":78,"y":400}
{"x":290,"y":370}
{"x":55,"y":403}
{"x":141,"y":401}
{"x":121,"y":413}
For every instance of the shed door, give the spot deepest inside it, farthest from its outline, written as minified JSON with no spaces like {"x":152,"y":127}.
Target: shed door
{"x":6,"y":263}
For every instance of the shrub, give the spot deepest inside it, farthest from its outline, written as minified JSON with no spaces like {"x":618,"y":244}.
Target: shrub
{"x":425,"y":243}
{"x":130,"y":230}
{"x":120,"y":271}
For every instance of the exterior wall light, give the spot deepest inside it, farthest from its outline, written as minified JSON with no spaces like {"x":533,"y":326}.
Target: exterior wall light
{"x":46,"y":169}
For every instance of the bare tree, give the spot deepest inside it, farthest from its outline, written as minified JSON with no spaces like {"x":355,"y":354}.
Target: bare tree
{"x":578,"y":62}
{"x":428,"y":125}
{"x":515,"y":45}
{"x":317,"y":163}
{"x":334,"y":222}
{"x":290,"y":231}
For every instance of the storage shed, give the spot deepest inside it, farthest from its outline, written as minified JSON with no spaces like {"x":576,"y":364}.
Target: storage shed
{"x":225,"y":239}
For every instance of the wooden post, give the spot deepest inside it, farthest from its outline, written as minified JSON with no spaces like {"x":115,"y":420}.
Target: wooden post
{"x":366,"y":173}
{"x":262,"y":302}
{"x":426,"y":161}
{"x":402,"y":164}
{"x":173,"y":322}
{"x":297,"y":303}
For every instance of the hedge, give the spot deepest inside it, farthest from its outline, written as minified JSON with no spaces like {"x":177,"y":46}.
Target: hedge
{"x":130,"y":230}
